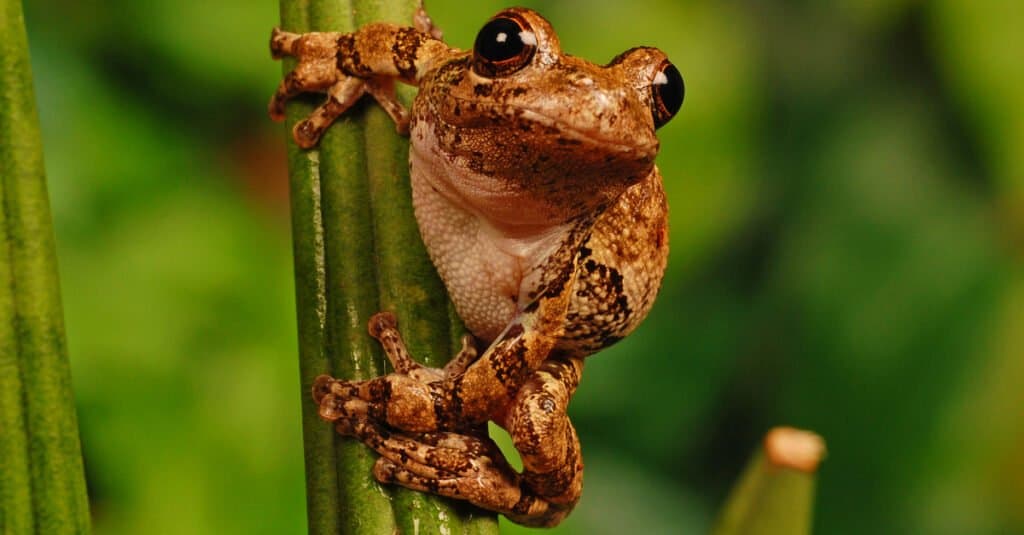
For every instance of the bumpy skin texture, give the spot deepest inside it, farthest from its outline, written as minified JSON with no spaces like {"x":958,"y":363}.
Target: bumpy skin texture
{"x":538,"y":199}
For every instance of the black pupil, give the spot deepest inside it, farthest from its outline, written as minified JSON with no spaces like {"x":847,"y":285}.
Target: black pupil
{"x":499,"y":40}
{"x":672,"y":91}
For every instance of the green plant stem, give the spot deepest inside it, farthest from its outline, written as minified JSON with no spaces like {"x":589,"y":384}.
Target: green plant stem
{"x":775,"y":494}
{"x":42,"y":483}
{"x":358,"y":251}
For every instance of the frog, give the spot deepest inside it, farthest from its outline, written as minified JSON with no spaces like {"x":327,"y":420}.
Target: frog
{"x":536,"y":193}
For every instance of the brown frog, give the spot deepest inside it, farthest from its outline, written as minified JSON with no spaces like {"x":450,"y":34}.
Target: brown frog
{"x":536,"y":194}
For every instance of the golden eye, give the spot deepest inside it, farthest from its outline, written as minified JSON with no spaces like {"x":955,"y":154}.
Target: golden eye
{"x":504,"y":45}
{"x":668,"y":91}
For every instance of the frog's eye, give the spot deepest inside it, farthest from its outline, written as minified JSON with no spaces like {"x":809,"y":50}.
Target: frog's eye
{"x":668,"y":91}
{"x":503,"y":46}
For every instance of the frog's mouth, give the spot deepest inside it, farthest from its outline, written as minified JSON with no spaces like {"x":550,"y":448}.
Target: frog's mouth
{"x":551,"y":130}
{"x":592,"y":136}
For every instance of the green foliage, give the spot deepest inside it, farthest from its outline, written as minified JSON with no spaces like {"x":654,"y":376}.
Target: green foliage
{"x":846,"y":230}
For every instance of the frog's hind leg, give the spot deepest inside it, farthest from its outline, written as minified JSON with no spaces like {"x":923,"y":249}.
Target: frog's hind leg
{"x":462,"y":466}
{"x":471,"y":467}
{"x":437,"y":455}
{"x":486,"y":481}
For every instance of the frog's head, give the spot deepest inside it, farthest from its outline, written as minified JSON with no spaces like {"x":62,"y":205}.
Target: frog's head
{"x":544,"y":119}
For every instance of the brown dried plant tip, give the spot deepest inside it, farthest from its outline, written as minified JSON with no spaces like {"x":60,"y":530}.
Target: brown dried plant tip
{"x":788,"y":447}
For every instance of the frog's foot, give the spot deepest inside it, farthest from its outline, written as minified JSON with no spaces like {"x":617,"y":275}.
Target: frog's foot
{"x":340,"y":97}
{"x":384,"y":327}
{"x":317,"y":72}
{"x":461,"y":466}
{"x":414,"y":398}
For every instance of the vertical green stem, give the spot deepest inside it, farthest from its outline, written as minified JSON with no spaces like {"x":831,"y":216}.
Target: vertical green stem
{"x":15,"y":481}
{"x":358,"y":251}
{"x":42,"y":483}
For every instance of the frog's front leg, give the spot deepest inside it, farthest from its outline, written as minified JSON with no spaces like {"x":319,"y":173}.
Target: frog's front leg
{"x":347,"y":65}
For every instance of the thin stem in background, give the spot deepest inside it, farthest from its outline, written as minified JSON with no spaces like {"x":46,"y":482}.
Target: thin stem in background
{"x":42,"y":482}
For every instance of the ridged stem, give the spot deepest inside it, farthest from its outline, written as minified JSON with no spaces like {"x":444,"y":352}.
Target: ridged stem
{"x":358,"y":251}
{"x":42,"y":482}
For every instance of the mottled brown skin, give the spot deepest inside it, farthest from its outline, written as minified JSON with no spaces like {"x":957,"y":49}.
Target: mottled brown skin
{"x":540,"y":204}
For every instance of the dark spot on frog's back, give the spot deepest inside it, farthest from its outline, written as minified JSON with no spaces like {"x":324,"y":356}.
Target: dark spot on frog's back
{"x":519,"y":91}
{"x":615,"y":278}
{"x":482,"y":90}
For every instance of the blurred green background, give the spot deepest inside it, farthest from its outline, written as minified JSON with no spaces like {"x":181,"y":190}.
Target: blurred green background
{"x":847,"y":195}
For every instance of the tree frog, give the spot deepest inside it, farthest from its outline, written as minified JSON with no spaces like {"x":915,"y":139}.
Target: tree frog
{"x":537,"y":196}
